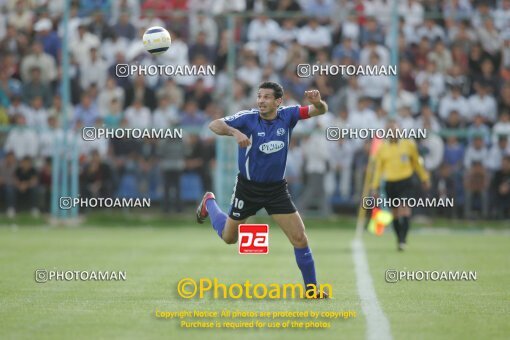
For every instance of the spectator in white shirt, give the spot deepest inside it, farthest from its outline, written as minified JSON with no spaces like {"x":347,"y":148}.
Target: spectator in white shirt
{"x":502,"y":127}
{"x":431,"y":31}
{"x":94,"y":70}
{"x":203,"y":23}
{"x":250,"y":73}
{"x":138,"y":116}
{"x":404,"y":99}
{"x":372,"y":47}
{"x":497,"y":152}
{"x":288,"y":32}
{"x":412,"y":12}
{"x":274,"y":55}
{"x":441,"y":56}
{"x":21,"y":140}
{"x":81,"y":44}
{"x":38,"y":58}
{"x":476,"y":152}
{"x":364,"y":116}
{"x":106,"y":95}
{"x":165,"y":115}
{"x":489,"y":37}
{"x":262,"y":29}
{"x":38,"y":117}
{"x":453,"y":101}
{"x":427,"y":120}
{"x":434,"y":78}
{"x":482,"y":103}
{"x":313,"y":36}
{"x":502,"y":16}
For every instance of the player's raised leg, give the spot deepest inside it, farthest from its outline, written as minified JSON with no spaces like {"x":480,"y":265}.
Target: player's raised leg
{"x":225,"y":227}
{"x":293,"y":226}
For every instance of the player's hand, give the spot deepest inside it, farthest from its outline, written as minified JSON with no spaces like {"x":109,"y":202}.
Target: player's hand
{"x":242,"y":139}
{"x":313,"y":96}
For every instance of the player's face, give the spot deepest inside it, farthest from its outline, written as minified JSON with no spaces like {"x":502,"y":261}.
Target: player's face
{"x":266,"y":102}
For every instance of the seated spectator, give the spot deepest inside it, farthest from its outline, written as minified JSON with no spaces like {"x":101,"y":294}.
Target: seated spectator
{"x":140,"y":91}
{"x":250,"y":72}
{"x":346,"y":49}
{"x":502,"y":127}
{"x":96,"y":178}
{"x":274,"y":56}
{"x":94,"y":70}
{"x":165,"y":116}
{"x":37,"y":88}
{"x":191,"y":116}
{"x":431,"y":31}
{"x":20,"y":140}
{"x":81,"y":44}
{"x":99,"y":26}
{"x":371,"y":31}
{"x":41,"y":60}
{"x":453,"y":101}
{"x":441,"y":56}
{"x":476,"y":152}
{"x":106,"y":95}
{"x":8,"y":167}
{"x":138,"y":116}
{"x":498,"y":151}
{"x":262,"y":29}
{"x":86,"y":112}
{"x":201,"y":22}
{"x":500,"y":189}
{"x":453,"y":154}
{"x":479,"y":128}
{"x":313,"y":36}
{"x":114,"y":116}
{"x":38,"y":118}
{"x":26,"y":181}
{"x":482,"y":103}
{"x":201,"y":47}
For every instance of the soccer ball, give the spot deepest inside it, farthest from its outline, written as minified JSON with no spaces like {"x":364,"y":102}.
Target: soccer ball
{"x":156,"y":40}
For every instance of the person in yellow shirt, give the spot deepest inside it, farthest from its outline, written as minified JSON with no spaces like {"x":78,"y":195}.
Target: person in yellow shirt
{"x":396,"y":161}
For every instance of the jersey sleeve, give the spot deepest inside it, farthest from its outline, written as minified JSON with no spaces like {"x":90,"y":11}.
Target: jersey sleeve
{"x":238,"y":120}
{"x":297,"y":113}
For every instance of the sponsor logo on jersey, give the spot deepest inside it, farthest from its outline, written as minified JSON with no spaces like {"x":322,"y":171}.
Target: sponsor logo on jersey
{"x":261,"y":134}
{"x":272,"y":146}
{"x":280,"y":132}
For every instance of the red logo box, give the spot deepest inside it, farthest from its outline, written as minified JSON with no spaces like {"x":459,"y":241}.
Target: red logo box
{"x":253,"y":238}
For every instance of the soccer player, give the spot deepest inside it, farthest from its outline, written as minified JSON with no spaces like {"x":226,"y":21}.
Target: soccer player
{"x":263,"y":136}
{"x":395,"y":161}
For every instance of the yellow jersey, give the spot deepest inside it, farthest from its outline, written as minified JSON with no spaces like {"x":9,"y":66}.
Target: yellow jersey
{"x":395,"y":161}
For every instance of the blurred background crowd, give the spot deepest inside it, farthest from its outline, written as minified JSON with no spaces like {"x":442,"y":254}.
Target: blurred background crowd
{"x":454,"y":80}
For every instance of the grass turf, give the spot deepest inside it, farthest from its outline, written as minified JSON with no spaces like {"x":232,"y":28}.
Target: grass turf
{"x":156,"y":258}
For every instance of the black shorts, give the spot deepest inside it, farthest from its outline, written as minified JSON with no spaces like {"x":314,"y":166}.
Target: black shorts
{"x":400,"y":189}
{"x":249,"y":197}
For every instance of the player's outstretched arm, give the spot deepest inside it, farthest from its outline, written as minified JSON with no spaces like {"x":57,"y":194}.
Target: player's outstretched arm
{"x":319,"y":106}
{"x":221,"y":128}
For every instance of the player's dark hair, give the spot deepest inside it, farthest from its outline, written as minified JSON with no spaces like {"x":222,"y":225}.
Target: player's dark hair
{"x":277,"y":88}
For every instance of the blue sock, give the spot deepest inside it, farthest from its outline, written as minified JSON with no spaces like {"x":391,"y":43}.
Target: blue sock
{"x":218,"y":217}
{"x":305,"y":263}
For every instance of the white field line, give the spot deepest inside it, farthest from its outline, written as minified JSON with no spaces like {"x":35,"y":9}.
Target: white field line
{"x":378,"y":326}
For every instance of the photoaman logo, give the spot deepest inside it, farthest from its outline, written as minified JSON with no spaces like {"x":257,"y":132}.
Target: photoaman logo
{"x":253,"y":239}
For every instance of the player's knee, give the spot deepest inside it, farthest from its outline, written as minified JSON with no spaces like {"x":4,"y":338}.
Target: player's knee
{"x":230,"y":239}
{"x":299,"y":240}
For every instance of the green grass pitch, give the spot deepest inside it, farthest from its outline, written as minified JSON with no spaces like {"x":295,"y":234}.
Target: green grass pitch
{"x":156,"y":258}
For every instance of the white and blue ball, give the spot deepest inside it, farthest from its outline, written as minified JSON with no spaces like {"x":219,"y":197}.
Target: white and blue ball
{"x":156,"y":40}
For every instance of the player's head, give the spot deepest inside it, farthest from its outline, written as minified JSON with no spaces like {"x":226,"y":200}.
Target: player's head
{"x":269,"y":97}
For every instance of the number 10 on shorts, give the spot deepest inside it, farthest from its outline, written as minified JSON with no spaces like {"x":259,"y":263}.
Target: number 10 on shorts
{"x":253,"y":239}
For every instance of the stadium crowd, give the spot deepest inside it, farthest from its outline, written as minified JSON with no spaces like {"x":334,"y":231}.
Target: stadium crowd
{"x":454,"y":80}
